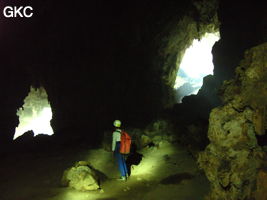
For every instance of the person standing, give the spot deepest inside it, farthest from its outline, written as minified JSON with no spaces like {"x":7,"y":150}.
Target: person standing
{"x":116,"y":143}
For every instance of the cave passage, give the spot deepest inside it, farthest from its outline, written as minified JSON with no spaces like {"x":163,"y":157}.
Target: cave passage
{"x":196,"y":64}
{"x":35,"y":114}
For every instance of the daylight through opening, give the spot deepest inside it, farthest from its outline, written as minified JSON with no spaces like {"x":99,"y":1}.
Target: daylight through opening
{"x":196,"y":64}
{"x":35,"y":114}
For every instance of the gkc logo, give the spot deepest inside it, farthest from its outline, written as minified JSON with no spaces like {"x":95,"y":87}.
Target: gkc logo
{"x":21,"y":11}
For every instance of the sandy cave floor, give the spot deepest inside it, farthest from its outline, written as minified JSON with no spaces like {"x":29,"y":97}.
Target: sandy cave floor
{"x":165,"y":172}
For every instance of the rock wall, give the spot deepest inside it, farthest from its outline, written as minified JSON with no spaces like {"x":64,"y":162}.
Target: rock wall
{"x":116,"y":60}
{"x":104,"y":60}
{"x":176,"y":35}
{"x":232,"y":159}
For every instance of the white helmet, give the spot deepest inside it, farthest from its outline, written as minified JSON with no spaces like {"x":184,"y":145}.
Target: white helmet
{"x":117,"y":123}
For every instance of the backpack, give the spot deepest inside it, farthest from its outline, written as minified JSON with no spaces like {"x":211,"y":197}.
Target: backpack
{"x":125,"y":143}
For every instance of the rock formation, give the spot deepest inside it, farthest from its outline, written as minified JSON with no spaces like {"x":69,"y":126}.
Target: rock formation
{"x":81,"y":177}
{"x":232,"y":159}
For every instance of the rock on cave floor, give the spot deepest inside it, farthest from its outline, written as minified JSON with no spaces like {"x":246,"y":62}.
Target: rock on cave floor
{"x":165,"y":172}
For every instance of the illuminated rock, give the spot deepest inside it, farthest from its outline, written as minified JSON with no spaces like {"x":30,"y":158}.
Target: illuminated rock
{"x":233,"y":157}
{"x":145,"y":140}
{"x":35,"y":114}
{"x":81,"y":177}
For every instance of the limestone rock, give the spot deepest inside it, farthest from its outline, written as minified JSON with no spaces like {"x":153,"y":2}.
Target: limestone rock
{"x":159,"y":127}
{"x":233,"y":157}
{"x":145,"y":140}
{"x":261,"y":193}
{"x":81,"y":177}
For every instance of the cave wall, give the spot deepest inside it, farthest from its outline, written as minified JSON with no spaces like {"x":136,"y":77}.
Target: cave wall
{"x":242,"y":26}
{"x":177,"y":31}
{"x":232,"y":159}
{"x":102,"y":60}
{"x":97,"y":61}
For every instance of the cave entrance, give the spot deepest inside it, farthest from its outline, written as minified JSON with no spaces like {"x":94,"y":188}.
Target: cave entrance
{"x":35,"y":114}
{"x":196,"y":64}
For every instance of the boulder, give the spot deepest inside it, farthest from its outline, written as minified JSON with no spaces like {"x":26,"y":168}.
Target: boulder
{"x":159,"y":127}
{"x":81,"y":177}
{"x":145,"y":140}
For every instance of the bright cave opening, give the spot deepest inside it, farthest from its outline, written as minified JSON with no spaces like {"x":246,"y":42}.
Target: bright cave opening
{"x":195,"y":65}
{"x":35,"y":114}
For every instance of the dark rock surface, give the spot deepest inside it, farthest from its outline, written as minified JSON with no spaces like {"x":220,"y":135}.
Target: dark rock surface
{"x":101,"y":60}
{"x":113,"y":61}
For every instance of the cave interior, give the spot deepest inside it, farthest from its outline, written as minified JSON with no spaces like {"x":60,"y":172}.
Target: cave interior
{"x":98,"y":61}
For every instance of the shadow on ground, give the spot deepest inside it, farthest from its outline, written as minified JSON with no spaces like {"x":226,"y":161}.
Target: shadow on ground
{"x":176,"y":178}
